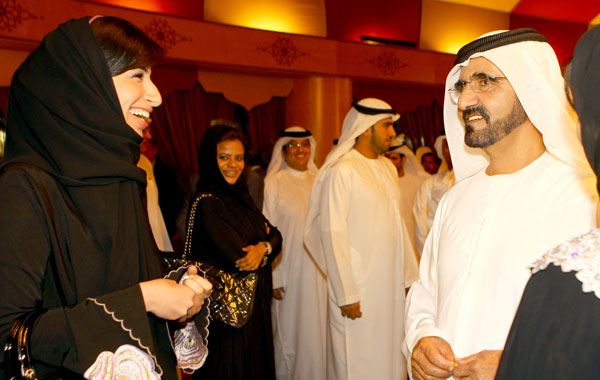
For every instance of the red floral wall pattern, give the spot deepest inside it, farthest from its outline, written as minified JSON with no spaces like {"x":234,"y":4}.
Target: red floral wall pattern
{"x":164,"y":34}
{"x":284,"y":51}
{"x":387,"y":62}
{"x":11,"y":15}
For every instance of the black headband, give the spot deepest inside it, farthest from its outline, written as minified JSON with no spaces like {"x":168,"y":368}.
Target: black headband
{"x":396,"y":147}
{"x":497,"y":40}
{"x":372,"y":111}
{"x":294,"y":133}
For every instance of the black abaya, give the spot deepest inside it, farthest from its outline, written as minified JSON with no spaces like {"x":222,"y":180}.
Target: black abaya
{"x":555,"y":333}
{"x":226,"y":222}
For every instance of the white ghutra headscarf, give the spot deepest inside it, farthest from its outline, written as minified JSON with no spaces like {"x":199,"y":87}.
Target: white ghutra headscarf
{"x":531,"y":67}
{"x":292,"y":133}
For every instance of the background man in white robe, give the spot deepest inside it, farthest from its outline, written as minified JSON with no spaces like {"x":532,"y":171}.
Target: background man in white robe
{"x":430,"y":193}
{"x":523,"y":186}
{"x":438,"y":146}
{"x":299,"y":307}
{"x":355,"y":232}
{"x":155,"y":217}
{"x":409,"y":182}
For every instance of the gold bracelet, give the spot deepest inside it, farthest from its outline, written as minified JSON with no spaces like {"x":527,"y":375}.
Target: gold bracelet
{"x":264,"y":261}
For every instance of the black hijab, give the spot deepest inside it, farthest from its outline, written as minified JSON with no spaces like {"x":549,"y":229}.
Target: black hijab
{"x":65,"y":118}
{"x":584,"y":78}
{"x":212,"y":180}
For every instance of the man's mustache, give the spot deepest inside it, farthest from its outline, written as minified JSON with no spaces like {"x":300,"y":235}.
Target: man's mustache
{"x":476,"y":110}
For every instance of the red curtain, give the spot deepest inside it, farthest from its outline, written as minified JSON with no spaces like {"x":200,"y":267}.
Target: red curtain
{"x":3,"y":100}
{"x":180,"y":123}
{"x":184,"y":116}
{"x":423,"y":125}
{"x":265,"y":122}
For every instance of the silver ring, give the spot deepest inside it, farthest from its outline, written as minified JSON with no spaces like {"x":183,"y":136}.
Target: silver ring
{"x":185,"y":277}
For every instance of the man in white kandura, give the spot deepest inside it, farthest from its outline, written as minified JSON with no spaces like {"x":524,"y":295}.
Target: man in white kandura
{"x":299,"y":307}
{"x":410,"y":177}
{"x":431,"y":192}
{"x":355,"y":232}
{"x":523,"y":185}
{"x":148,"y":152}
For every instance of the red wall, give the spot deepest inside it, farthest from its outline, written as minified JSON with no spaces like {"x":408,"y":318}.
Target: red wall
{"x":562,"y":35}
{"x":404,"y":98}
{"x":350,"y":19}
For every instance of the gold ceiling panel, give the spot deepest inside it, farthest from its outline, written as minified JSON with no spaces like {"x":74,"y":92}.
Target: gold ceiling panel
{"x":505,"y":6}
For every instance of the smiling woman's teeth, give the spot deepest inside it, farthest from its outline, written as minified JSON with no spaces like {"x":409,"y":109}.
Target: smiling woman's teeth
{"x":144,"y":115}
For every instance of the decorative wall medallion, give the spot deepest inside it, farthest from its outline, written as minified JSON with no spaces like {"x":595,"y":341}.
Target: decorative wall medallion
{"x":11,"y":15}
{"x":387,"y":62}
{"x":284,"y":51}
{"x":164,"y":34}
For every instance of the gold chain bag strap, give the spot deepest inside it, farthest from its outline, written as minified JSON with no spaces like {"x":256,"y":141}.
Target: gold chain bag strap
{"x":232,"y":298}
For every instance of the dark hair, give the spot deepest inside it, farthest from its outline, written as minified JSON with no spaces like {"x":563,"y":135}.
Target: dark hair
{"x":427,"y":155}
{"x":232,"y":134}
{"x":214,"y":135}
{"x":125,"y":47}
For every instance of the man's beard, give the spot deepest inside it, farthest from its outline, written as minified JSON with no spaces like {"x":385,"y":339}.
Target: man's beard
{"x":496,"y":130}
{"x":379,"y":145}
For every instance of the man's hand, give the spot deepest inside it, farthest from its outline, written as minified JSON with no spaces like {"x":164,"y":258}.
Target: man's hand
{"x":351,"y":311}
{"x":432,"y":359}
{"x":480,"y":366}
{"x":278,"y":293}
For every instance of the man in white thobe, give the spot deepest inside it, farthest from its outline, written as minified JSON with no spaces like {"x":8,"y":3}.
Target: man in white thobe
{"x":523,"y":185}
{"x":354,"y":230}
{"x":155,"y":217}
{"x":430,"y":193}
{"x":299,"y":307}
{"x":409,"y":182}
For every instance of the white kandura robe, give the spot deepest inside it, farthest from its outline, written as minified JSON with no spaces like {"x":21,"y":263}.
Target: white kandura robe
{"x":487,"y":231}
{"x":155,"y":217}
{"x":365,"y":241}
{"x":426,"y":202}
{"x":300,"y":318}
{"x":409,"y":186}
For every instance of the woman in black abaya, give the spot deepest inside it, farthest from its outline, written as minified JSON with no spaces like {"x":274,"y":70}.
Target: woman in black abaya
{"x":556,"y":331}
{"x":231,"y":234}
{"x":75,"y":242}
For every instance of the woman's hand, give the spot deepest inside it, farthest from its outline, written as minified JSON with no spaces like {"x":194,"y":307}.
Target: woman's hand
{"x":168,"y":300}
{"x":201,"y":286}
{"x":253,"y":258}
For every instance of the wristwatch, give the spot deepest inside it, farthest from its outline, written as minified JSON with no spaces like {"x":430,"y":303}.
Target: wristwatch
{"x":268,"y":247}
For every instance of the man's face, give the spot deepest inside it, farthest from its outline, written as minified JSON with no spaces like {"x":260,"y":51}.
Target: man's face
{"x":297,"y":154}
{"x":429,"y":164}
{"x":446,"y":152}
{"x":397,"y":159}
{"x":147,"y":147}
{"x":488,"y":116}
{"x":382,"y":134}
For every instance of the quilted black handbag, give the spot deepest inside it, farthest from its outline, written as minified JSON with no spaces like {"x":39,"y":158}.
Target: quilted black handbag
{"x":232,"y":298}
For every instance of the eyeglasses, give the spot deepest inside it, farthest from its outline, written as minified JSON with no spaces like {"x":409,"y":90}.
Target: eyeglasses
{"x":298,"y":144}
{"x":480,"y":82}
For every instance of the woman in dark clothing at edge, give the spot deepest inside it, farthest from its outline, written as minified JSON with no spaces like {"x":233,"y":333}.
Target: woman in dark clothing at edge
{"x":556,"y":331}
{"x":74,"y":237}
{"x":231,"y":234}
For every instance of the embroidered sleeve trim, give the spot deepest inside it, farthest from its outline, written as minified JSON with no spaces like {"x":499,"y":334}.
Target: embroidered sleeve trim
{"x":126,"y":362}
{"x":580,"y":254}
{"x":129,"y":331}
{"x":190,"y":343}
